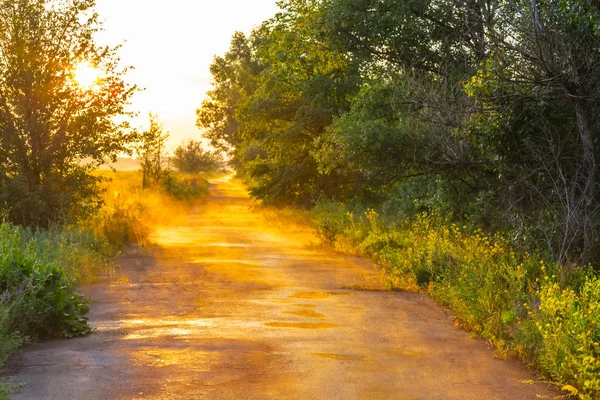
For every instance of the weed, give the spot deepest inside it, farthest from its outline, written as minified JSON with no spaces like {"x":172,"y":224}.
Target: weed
{"x":38,"y":275}
{"x":6,"y":389}
{"x":327,"y":231}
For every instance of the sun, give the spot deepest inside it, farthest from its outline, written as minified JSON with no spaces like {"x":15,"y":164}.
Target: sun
{"x":86,"y":75}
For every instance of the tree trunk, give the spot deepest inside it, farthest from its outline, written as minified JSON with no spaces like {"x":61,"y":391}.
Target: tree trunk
{"x":589,"y":178}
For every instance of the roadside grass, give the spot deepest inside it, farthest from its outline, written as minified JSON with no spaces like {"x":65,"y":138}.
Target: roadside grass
{"x":187,"y":187}
{"x":7,"y":389}
{"x":131,"y":213}
{"x":525,"y":305}
{"x":39,"y":272}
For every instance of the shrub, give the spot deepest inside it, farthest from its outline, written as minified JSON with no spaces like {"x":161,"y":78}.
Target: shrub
{"x":569,"y":325}
{"x":185,"y":186}
{"x":120,"y":221}
{"x":37,"y":295}
{"x":193,"y":158}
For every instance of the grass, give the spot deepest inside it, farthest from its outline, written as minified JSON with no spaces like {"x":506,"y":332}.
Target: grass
{"x":131,"y":212}
{"x":526,"y":305}
{"x":7,"y":389}
{"x":39,"y":272}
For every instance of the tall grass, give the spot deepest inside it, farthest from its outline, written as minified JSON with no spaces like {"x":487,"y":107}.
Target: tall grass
{"x":525,"y":305}
{"x":130,"y":213}
{"x":39,"y":272}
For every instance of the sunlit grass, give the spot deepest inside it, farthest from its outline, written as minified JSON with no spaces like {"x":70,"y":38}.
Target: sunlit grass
{"x":132,"y":214}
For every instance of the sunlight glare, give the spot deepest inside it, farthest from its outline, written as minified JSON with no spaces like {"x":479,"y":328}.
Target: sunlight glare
{"x":86,"y":75}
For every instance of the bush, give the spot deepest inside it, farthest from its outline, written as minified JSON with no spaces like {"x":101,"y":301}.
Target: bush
{"x":193,"y":158}
{"x":120,"y":221}
{"x":37,"y":287}
{"x":185,"y":186}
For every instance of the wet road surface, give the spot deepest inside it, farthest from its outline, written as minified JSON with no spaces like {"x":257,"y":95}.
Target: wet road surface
{"x":232,"y":305}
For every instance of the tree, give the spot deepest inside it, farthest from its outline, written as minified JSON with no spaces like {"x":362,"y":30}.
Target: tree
{"x":542,"y":81}
{"x":54,"y":129}
{"x":484,"y":111}
{"x":234,"y":81}
{"x":151,"y":151}
{"x":193,"y":158}
{"x":274,"y":94}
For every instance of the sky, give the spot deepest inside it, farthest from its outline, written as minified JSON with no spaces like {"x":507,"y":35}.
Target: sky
{"x":171,"y":44}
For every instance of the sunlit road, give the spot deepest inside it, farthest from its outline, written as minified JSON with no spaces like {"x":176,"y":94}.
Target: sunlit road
{"x":233,"y":305}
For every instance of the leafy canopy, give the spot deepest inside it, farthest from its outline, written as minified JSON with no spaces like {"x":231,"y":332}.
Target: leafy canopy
{"x":55,"y":130}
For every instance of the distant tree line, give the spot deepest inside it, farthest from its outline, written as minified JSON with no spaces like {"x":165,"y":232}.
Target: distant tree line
{"x":193,"y":157}
{"x":482,"y":111}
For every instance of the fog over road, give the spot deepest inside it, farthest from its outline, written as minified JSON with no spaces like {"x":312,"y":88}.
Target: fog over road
{"x":231,"y":304}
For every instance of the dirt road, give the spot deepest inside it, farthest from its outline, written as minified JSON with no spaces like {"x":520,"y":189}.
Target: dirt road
{"x":229,"y":305}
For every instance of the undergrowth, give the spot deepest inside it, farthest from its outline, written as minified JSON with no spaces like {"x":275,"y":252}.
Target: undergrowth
{"x":39,"y":271}
{"x":526,"y":305}
{"x":184,"y":186}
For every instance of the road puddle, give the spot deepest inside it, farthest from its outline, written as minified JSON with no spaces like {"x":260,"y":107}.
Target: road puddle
{"x":166,"y":357}
{"x":218,"y":261}
{"x":317,"y":295}
{"x":304,"y":305}
{"x":404,"y":352}
{"x":341,"y":357}
{"x":301,"y":325}
{"x":306,"y":314}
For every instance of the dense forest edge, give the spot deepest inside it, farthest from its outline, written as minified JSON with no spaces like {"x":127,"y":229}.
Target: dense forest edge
{"x":453,"y":141}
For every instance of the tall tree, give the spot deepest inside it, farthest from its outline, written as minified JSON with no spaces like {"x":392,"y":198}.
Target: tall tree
{"x":54,"y":128}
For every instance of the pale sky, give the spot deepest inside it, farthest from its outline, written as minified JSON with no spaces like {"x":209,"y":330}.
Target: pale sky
{"x":171,"y":44}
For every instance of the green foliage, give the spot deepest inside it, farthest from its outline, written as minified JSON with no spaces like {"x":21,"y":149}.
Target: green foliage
{"x":54,"y":131}
{"x":569,"y":325}
{"x":38,"y":274}
{"x":193,"y":158}
{"x":6,"y":389}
